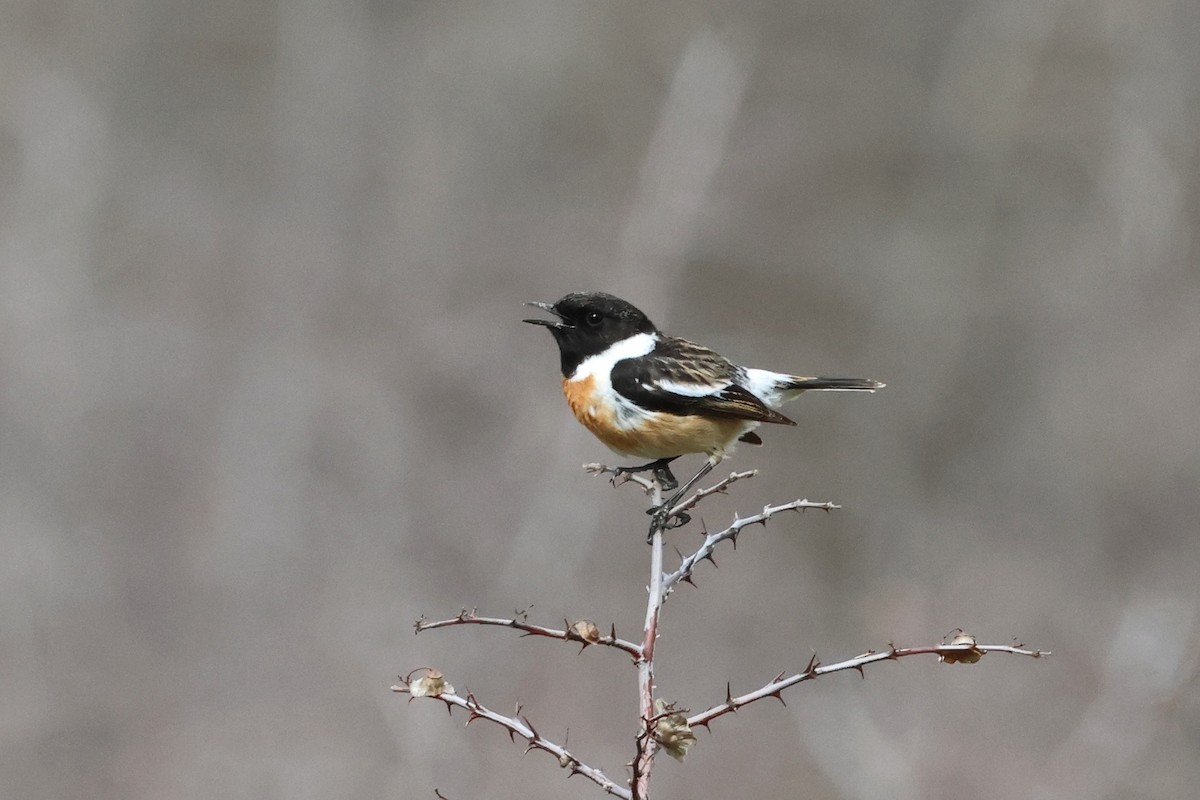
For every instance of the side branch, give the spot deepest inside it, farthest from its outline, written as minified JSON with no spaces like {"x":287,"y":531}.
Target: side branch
{"x":711,"y":540}
{"x":967,"y":652}
{"x":518,"y":725}
{"x":717,"y":488}
{"x":569,"y":633}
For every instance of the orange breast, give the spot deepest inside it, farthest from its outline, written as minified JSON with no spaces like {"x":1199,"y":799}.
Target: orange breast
{"x":655,"y":435}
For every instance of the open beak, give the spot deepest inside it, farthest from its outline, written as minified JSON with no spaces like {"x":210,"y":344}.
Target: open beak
{"x":549,"y":323}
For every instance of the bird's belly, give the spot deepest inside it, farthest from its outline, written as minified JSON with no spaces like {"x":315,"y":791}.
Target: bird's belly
{"x":632,"y":431}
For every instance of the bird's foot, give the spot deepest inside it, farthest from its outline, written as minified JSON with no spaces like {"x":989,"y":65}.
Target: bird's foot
{"x":661,"y":519}
{"x":661,"y":469}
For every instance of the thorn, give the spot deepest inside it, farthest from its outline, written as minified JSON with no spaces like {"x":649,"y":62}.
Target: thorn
{"x":529,"y":725}
{"x":471,"y":718}
{"x":585,"y":647}
{"x":778,"y":677}
{"x":729,"y":695}
{"x":861,"y":671}
{"x":779,"y":696}
{"x":688,"y":578}
{"x":529,"y":747}
{"x":813,"y":663}
{"x":612,"y":632}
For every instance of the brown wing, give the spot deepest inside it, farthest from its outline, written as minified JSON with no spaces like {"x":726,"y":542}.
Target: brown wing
{"x":681,"y":377}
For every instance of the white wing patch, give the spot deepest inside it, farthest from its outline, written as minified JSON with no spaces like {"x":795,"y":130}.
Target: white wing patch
{"x":690,"y":389}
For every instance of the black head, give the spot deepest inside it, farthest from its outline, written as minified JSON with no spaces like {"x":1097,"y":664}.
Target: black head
{"x":588,"y":323}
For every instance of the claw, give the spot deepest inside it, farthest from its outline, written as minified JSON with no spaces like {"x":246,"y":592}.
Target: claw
{"x":665,"y":479}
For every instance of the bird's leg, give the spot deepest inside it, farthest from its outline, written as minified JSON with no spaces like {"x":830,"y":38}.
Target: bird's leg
{"x":660,"y":516}
{"x":661,"y":468}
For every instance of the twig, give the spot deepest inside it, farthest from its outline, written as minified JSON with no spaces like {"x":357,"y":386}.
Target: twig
{"x":618,"y":478}
{"x":711,"y":540}
{"x":568,"y":634}
{"x":717,"y":488}
{"x":520,"y":726}
{"x":947,"y":652}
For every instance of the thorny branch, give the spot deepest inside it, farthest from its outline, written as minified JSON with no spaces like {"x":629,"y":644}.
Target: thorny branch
{"x":719,"y":487}
{"x":571,"y":632}
{"x":662,"y":725}
{"x":648,"y":484}
{"x":711,"y":540}
{"x":964,"y":652}
{"x":518,"y":725}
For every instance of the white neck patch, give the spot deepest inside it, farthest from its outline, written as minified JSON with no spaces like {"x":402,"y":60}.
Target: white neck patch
{"x":599,"y":367}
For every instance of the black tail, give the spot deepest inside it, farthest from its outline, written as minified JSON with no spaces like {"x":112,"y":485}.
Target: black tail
{"x":832,"y":385}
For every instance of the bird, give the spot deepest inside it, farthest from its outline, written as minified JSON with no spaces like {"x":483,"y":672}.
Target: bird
{"x":649,"y":395}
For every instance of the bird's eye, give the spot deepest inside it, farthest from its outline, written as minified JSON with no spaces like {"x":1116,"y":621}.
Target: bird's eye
{"x":594,"y":318}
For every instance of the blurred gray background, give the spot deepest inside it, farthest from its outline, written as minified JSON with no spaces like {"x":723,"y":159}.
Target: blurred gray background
{"x":266,"y":395}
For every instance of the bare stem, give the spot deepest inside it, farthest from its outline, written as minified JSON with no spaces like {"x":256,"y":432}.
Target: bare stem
{"x":947,"y":652}
{"x":518,"y":725}
{"x":646,"y":746}
{"x":567,"y":634}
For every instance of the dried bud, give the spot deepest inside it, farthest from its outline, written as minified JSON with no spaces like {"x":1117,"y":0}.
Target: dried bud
{"x":969,"y":656}
{"x":586,"y":630}
{"x":672,"y":731}
{"x":431,"y":684}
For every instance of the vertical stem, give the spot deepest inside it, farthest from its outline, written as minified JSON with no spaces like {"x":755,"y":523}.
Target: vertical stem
{"x":646,"y":744}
